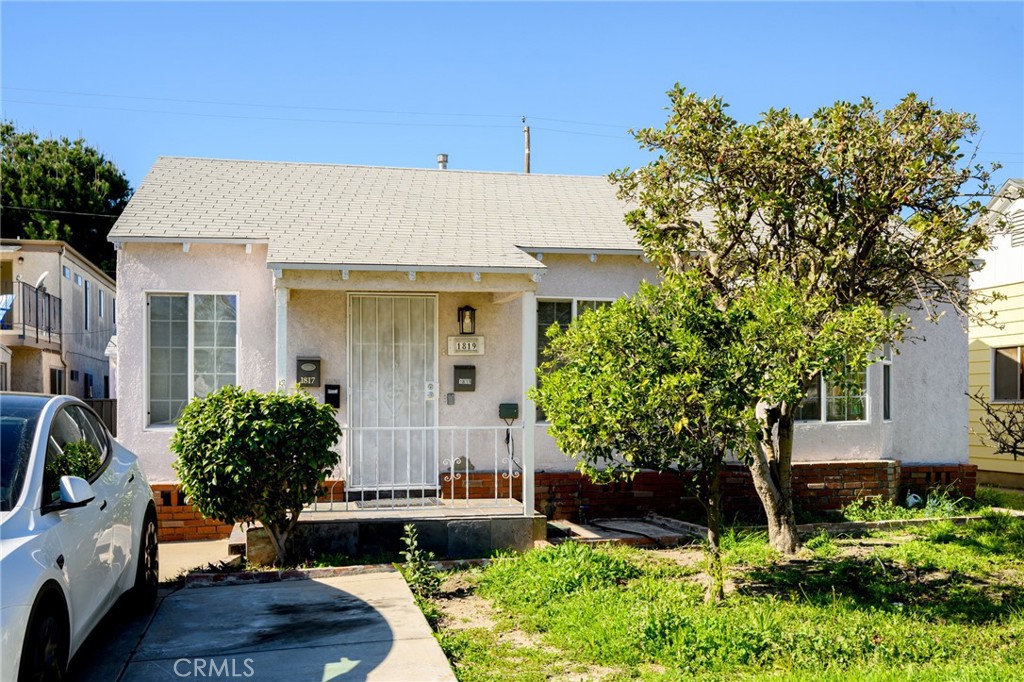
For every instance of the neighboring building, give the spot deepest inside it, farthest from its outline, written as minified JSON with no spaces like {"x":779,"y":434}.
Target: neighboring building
{"x":355,"y":280}
{"x":997,"y":350}
{"x":59,"y":316}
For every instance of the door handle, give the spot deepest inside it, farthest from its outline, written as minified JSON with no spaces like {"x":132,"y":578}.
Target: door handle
{"x":103,"y":506}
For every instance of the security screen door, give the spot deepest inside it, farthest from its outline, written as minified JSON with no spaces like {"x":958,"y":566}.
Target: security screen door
{"x":392,"y":380}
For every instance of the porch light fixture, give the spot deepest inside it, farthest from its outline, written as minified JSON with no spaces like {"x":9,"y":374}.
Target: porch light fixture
{"x":467,"y":320}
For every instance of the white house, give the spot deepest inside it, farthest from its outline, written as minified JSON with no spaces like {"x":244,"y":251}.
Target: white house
{"x":354,"y":281}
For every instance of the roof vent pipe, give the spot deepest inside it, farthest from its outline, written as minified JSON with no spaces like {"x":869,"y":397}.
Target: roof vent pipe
{"x":442,"y":162}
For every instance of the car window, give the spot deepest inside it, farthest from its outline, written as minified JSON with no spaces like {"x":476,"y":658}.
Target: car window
{"x":72,"y":449}
{"x":16,"y":432}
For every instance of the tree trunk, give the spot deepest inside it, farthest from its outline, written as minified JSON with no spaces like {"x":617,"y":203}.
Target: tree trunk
{"x":771,"y":469}
{"x":279,"y":533}
{"x":713,"y":507}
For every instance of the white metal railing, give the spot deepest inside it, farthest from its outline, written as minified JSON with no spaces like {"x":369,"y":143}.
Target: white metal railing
{"x":412,"y":467}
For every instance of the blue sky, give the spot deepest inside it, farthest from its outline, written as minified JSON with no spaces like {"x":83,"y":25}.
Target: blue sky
{"x":394,"y":84}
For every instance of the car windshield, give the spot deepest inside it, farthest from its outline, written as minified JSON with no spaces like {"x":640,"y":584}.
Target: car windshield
{"x":19,"y":415}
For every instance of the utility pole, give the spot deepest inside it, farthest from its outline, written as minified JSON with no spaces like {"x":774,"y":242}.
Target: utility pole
{"x":526,"y":154}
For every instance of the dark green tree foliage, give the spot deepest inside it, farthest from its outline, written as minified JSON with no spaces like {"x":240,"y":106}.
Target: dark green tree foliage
{"x":246,"y":456}
{"x":853,"y":205}
{"x":76,"y":459}
{"x":62,"y":178}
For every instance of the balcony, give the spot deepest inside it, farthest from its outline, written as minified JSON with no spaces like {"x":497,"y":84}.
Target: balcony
{"x":30,"y":315}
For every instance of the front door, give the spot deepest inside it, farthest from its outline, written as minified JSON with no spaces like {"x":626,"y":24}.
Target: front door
{"x":392,"y":385}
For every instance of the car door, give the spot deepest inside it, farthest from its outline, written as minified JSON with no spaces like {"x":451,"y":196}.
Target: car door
{"x":84,"y":533}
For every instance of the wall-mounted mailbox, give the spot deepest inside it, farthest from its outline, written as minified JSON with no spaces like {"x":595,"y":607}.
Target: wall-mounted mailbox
{"x":307,"y":372}
{"x":465,"y":378}
{"x":508,"y":411}
{"x":332,"y":395}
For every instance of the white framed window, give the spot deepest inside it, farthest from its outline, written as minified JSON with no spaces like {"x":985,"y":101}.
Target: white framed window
{"x":67,"y":272}
{"x":101,"y":306}
{"x":561,"y":311}
{"x":1008,"y":374}
{"x":845,"y":400}
{"x":88,"y":303}
{"x":78,"y":279}
{"x":193,"y":350}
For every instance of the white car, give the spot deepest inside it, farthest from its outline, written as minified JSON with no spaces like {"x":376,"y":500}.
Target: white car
{"x":77,"y":531}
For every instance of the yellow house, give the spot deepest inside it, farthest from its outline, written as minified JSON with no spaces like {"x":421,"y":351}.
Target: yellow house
{"x":997,"y":350}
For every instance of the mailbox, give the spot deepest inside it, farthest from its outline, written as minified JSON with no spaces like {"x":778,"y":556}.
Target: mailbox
{"x":332,"y":395}
{"x":307,"y":372}
{"x":465,"y":378}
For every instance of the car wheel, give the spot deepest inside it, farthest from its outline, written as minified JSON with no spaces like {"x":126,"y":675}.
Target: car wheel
{"x":45,"y":655}
{"x":147,"y":570}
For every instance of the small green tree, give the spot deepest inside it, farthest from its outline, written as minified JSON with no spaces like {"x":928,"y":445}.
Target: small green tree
{"x":852,"y":204}
{"x":246,"y":456}
{"x":653,"y":382}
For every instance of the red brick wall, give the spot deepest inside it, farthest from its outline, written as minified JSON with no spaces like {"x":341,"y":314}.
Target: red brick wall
{"x":179,"y":521}
{"x":817,"y":486}
{"x":917,"y":478}
{"x":483,"y":485}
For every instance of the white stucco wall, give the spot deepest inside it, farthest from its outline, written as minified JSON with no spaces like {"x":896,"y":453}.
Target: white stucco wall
{"x":929,"y":405}
{"x":152,"y":268}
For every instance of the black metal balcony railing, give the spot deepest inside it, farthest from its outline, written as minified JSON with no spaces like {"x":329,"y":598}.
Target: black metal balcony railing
{"x":34,"y":314}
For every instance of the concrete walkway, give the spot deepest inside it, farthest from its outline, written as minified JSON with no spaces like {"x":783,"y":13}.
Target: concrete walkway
{"x":347,"y":628}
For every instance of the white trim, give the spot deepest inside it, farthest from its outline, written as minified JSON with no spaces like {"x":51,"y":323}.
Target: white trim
{"x":415,"y":267}
{"x":582,"y":251}
{"x":529,"y":377}
{"x":823,"y":403}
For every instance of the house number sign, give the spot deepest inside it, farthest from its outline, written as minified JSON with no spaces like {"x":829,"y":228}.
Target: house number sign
{"x":465,"y":345}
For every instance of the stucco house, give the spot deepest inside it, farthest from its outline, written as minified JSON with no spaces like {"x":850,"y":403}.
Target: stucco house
{"x":415,"y":300}
{"x":997,"y":349}
{"x":59,"y":312}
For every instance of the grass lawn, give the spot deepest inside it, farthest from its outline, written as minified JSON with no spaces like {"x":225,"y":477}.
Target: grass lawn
{"x":935,"y":603}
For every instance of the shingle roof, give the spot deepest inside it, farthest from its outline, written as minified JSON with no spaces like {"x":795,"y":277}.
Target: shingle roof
{"x":336,"y":215}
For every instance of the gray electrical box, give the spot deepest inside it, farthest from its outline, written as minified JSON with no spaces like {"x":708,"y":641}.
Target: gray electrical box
{"x":465,"y":378}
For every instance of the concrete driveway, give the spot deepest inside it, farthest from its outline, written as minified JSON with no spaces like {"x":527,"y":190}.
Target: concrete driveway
{"x":347,"y":628}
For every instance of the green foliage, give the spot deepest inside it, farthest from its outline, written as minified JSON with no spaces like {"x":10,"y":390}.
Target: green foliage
{"x":674,"y":401}
{"x":998,"y":497}
{"x":249,"y":456}
{"x":422,"y":578}
{"x":822,"y":545}
{"x":847,"y":618}
{"x":61,"y":178}
{"x":747,"y":548}
{"x":75,"y":459}
{"x":939,"y":502}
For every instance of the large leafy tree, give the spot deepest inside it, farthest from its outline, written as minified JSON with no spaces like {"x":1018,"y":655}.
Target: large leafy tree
{"x":661,"y":380}
{"x":61,"y":189}
{"x":852,"y":204}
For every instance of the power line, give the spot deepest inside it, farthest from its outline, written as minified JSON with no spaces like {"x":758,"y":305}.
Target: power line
{"x":260,"y":118}
{"x":53,"y":210}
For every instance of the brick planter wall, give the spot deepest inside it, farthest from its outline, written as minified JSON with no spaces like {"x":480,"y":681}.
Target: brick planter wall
{"x":483,"y":485}
{"x":817,"y":486}
{"x":179,"y":521}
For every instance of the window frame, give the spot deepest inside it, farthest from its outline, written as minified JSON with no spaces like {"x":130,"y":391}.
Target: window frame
{"x":88,"y":306}
{"x":99,"y":430}
{"x":887,"y":374}
{"x":823,"y":403}
{"x":574,"y":312}
{"x":100,"y":300}
{"x":992,"y":376}
{"x":190,"y":348}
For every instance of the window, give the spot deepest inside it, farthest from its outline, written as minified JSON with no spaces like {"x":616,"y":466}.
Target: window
{"x":845,"y":399}
{"x":74,"y":375}
{"x":3,"y":376}
{"x":56,"y":381}
{"x":77,"y":446}
{"x":562,"y":312}
{"x":78,"y":279}
{"x":113,"y":311}
{"x":88,"y":386}
{"x":101,"y":304}
{"x":192,"y":350}
{"x":1008,"y":373}
{"x":88,"y":306}
{"x":67,"y":272}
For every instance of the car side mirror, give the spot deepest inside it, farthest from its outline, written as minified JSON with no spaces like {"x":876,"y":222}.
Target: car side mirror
{"x":74,"y":492}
